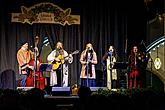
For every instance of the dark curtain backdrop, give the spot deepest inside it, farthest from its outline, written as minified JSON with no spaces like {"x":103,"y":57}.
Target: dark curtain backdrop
{"x":102,"y":24}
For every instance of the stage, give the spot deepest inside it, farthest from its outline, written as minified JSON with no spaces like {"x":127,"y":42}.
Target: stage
{"x":60,"y":92}
{"x":60,"y":97}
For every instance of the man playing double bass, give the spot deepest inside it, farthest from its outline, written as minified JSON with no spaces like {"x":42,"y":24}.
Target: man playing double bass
{"x":29,"y":63}
{"x":24,"y":55}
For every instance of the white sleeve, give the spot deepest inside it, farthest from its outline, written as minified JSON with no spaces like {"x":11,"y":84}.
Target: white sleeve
{"x":66,"y":55}
{"x":51,"y":56}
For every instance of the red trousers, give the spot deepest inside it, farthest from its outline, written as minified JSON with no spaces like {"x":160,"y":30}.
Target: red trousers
{"x":134,"y":80}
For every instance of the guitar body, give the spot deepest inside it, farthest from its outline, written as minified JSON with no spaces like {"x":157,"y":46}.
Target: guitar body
{"x":58,"y":61}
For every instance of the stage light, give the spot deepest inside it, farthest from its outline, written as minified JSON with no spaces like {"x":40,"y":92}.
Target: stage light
{"x":157,"y":62}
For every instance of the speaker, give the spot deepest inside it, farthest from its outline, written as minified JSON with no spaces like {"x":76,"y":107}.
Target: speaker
{"x":24,"y":88}
{"x":93,"y":89}
{"x":61,"y":91}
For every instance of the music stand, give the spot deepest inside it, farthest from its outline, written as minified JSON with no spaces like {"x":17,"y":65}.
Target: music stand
{"x":120,"y":65}
{"x":45,"y":67}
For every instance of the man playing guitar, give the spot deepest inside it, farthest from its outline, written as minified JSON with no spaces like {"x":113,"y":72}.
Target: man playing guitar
{"x":59,"y":59}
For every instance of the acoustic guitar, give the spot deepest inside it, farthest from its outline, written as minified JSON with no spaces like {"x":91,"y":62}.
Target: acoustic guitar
{"x":61,"y":60}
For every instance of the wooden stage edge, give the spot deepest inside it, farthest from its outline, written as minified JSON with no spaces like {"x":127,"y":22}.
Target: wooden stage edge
{"x":67,"y":89}
{"x":62,"y":91}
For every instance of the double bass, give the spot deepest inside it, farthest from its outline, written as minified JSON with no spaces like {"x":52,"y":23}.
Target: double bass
{"x":35,"y":77}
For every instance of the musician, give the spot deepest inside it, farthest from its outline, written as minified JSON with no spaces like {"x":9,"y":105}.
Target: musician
{"x":59,"y":59}
{"x":135,"y":60}
{"x":24,"y":55}
{"x":110,"y":74}
{"x":88,"y":60}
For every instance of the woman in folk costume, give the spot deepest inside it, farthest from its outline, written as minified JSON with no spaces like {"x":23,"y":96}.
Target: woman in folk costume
{"x":109,"y":58}
{"x":59,"y":73}
{"x":88,"y":60}
{"x":135,"y":64}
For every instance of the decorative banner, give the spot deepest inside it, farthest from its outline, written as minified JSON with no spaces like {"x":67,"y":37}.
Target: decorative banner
{"x":45,"y":13}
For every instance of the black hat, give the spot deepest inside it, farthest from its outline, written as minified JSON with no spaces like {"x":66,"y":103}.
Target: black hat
{"x":21,"y":43}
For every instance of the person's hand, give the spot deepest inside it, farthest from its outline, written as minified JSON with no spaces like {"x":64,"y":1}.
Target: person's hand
{"x":36,"y":48}
{"x":112,"y":63}
{"x":57,"y":59}
{"x":31,"y":67}
{"x":89,"y":61}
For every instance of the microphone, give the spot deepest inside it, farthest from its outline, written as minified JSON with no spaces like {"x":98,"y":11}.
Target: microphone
{"x":90,"y":49}
{"x":60,"y":48}
{"x":31,"y":46}
{"x":87,"y":50}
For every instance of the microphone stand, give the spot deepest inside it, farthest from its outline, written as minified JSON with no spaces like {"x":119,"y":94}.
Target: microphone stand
{"x":111,"y":69}
{"x":151,"y":64}
{"x":35,"y":60}
{"x":87,"y":65}
{"x":61,"y":73}
{"x":135,"y":63}
{"x":34,"y":70}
